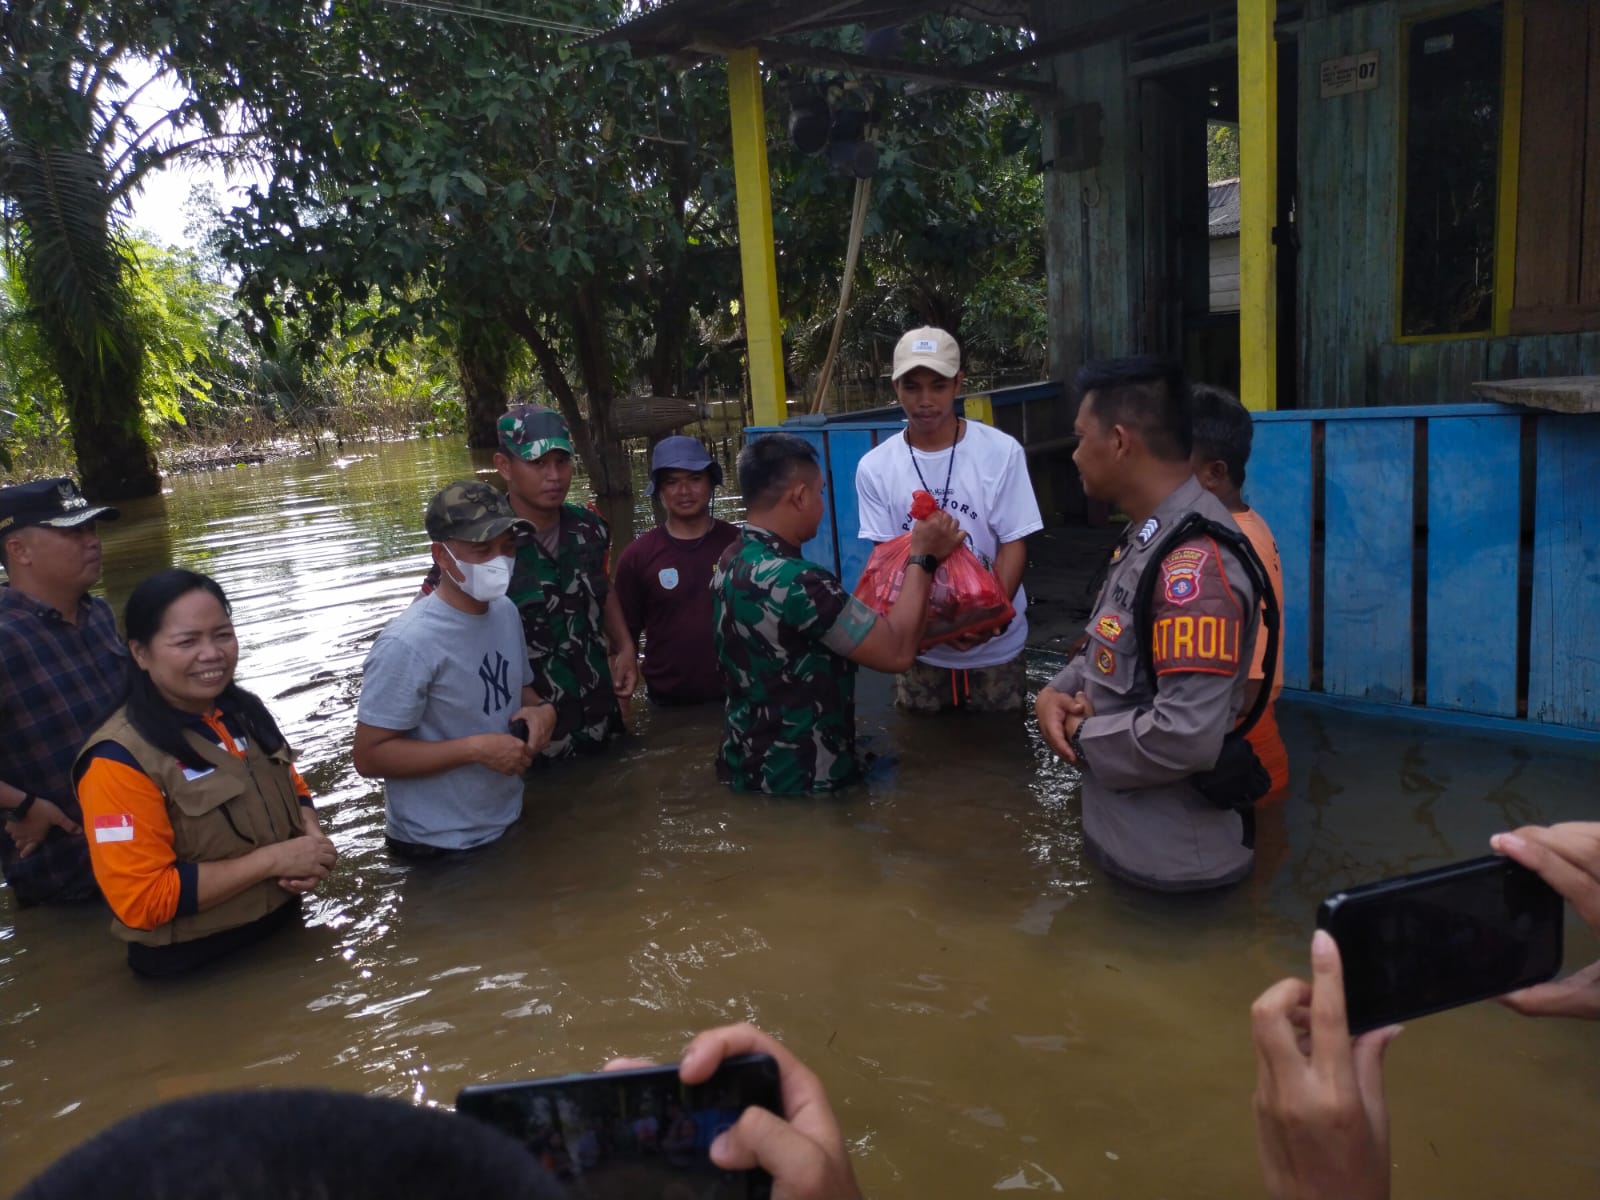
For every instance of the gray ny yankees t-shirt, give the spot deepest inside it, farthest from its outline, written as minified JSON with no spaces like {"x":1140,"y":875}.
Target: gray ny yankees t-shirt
{"x":439,"y":673}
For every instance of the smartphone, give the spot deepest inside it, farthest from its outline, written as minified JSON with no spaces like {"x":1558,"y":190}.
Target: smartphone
{"x":1437,"y":939}
{"x":634,"y":1135}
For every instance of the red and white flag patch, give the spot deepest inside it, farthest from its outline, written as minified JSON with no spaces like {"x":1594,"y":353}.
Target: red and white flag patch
{"x":115,"y":827}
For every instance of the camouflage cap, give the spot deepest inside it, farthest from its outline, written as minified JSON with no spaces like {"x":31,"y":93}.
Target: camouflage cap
{"x":472,"y":511}
{"x":530,"y":431}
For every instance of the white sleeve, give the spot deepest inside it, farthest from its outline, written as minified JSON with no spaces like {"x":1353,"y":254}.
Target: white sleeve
{"x":1016,"y":508}
{"x":877,"y":518}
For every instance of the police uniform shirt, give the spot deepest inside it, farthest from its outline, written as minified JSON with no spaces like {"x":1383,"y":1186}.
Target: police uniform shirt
{"x":1143,"y":818}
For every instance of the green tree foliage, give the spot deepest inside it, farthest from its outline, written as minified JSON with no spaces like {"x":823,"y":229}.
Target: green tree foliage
{"x":490,"y":177}
{"x":1222,"y":151}
{"x":484,"y":176}
{"x":955,"y":233}
{"x":72,"y":149}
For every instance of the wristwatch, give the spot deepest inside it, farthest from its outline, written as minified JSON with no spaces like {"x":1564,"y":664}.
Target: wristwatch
{"x":927,"y":562}
{"x":19,"y":810}
{"x":1075,"y":741}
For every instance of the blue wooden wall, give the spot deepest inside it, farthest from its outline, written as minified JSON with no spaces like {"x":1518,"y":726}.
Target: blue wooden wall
{"x":1369,"y":506}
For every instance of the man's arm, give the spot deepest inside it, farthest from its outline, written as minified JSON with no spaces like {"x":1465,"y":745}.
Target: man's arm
{"x":891,"y":642}
{"x":620,"y":648}
{"x":380,"y":753}
{"x":1199,"y":627}
{"x":43,"y":815}
{"x":1009,"y":562}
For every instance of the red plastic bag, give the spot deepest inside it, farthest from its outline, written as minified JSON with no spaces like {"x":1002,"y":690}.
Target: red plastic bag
{"x":966,"y":597}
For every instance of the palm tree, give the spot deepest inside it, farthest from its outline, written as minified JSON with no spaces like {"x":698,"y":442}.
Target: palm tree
{"x":73,"y":147}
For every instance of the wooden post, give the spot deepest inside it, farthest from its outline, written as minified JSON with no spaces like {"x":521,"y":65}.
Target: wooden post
{"x":757,"y":257}
{"x":1258,"y":205}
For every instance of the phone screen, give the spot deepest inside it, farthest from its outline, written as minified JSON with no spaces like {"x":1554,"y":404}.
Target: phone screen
{"x":633,"y":1135}
{"x":1426,"y":942}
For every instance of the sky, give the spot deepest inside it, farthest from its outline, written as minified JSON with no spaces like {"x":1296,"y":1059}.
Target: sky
{"x":158,"y":211}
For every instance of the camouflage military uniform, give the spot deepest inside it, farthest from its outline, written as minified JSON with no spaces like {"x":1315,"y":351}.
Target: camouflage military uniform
{"x":562,"y":601}
{"x":1143,"y":818}
{"x":783,"y":627}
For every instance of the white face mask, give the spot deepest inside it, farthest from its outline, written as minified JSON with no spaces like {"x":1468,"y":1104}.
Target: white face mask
{"x":483,"y":581}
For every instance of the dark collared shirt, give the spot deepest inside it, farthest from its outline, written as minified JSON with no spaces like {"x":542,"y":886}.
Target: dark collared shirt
{"x":57,"y":683}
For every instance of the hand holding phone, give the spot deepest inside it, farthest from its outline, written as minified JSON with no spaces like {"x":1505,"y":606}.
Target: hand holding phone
{"x":635,"y":1134}
{"x":1567,"y":857}
{"x":803,"y":1150}
{"x":1437,"y":939}
{"x":1322,"y":1123}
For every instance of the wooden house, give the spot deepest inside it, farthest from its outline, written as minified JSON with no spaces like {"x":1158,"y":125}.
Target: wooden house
{"x":1419,"y":216}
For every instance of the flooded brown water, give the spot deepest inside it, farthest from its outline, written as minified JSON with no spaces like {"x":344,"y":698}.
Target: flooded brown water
{"x":988,"y":1011}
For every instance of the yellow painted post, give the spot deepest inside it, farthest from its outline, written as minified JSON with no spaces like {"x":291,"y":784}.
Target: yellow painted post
{"x":1258,"y":205}
{"x":979,"y":409}
{"x":1505,"y":240}
{"x":757,"y":257}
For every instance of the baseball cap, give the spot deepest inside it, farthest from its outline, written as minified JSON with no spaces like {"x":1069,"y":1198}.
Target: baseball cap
{"x":927,"y":347}
{"x":530,"y":431}
{"x":56,"y":503}
{"x":682,"y":453}
{"x":471,"y":511}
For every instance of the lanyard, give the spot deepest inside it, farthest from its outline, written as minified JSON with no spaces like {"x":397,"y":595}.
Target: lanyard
{"x":949,"y":470}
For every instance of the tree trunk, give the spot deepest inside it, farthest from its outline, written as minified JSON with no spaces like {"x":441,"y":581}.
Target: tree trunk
{"x":483,"y":363}
{"x":609,"y":469}
{"x":75,"y":273}
{"x":601,"y":450}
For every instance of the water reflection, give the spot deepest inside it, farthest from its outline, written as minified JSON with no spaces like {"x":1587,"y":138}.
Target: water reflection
{"x":988,"y":1011}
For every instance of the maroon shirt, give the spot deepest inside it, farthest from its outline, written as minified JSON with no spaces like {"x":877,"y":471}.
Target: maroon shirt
{"x":664,"y":585}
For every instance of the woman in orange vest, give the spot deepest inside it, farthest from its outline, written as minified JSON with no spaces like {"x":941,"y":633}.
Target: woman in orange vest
{"x":201,"y":833}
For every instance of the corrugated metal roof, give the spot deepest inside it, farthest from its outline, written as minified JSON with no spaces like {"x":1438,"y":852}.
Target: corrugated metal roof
{"x":675,"y":25}
{"x":1223,"y":204}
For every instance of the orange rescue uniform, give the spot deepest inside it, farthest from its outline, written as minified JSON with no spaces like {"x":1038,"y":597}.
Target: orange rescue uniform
{"x":1264,"y":736}
{"x":130,"y":834}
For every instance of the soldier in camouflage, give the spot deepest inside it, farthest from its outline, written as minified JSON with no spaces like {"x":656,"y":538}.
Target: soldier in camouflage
{"x":789,"y":636}
{"x":584,"y":660}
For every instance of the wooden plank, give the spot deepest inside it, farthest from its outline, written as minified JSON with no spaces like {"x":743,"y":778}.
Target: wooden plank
{"x":1556,"y":318}
{"x":1346,"y":285}
{"x":1342,"y":415}
{"x":1474,"y":527}
{"x":1278,"y":485}
{"x":1555,"y":45}
{"x":1367,"y":562}
{"x":846,"y":448}
{"x":1564,"y":641}
{"x":1569,"y":394}
{"x":1589,"y":219}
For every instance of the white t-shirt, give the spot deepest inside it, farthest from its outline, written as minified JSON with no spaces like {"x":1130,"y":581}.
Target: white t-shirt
{"x":989,"y":493}
{"x":440,"y":673}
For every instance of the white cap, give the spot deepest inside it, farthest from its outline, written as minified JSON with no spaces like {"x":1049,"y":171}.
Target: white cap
{"x":927,"y":347}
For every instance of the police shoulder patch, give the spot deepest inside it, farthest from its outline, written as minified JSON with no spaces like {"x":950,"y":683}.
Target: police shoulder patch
{"x":1180,"y":574}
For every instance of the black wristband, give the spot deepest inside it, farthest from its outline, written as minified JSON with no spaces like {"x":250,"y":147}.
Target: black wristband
{"x":20,"y":810}
{"x":1077,"y":746}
